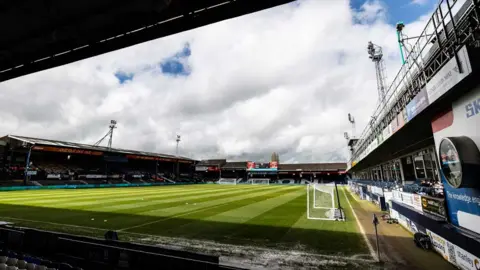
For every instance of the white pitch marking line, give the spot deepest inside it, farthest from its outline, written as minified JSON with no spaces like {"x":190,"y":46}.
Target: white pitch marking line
{"x":53,"y":223}
{"x":370,"y":248}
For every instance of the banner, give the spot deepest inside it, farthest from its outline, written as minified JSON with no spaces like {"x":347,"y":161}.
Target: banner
{"x":397,"y":195}
{"x":54,"y":176}
{"x":67,"y":150}
{"x":462,"y":202}
{"x":417,"y":202}
{"x":201,"y":168}
{"x":417,"y":104}
{"x":407,"y":198}
{"x":262,"y":167}
{"x":449,"y":76}
{"x":434,"y":206}
{"x":95,"y":176}
{"x":439,"y":244}
{"x":465,"y":260}
{"x":152,"y":158}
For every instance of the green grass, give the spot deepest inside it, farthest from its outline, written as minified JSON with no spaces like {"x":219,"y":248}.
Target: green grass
{"x":265,"y":216}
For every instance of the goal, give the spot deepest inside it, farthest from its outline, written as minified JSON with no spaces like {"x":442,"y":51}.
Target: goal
{"x":321,"y":202}
{"x":259,"y":181}
{"x":227,"y":181}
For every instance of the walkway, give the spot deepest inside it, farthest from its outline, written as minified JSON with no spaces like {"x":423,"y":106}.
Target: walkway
{"x":397,"y":248}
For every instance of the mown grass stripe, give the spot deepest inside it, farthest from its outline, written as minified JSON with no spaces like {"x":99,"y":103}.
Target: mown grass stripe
{"x":217,"y":226}
{"x":171,"y":201}
{"x":84,"y":217}
{"x":86,"y":196}
{"x":172,"y":223}
{"x":74,"y":192}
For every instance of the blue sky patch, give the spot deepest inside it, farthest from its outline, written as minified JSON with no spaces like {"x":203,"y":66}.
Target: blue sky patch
{"x":401,"y":10}
{"x":124,"y":77}
{"x":177,"y":64}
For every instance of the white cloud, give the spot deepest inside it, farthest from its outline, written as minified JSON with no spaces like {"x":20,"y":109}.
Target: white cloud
{"x":420,"y":2}
{"x":282,"y":80}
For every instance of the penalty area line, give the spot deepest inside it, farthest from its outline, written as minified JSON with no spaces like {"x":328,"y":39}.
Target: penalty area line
{"x":362,"y":231}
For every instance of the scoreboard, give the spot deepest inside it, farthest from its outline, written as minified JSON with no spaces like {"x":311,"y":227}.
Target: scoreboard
{"x":262,"y":166}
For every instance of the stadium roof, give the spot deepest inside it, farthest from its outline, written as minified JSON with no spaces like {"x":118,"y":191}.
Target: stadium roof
{"x":314,"y":167}
{"x":38,"y":35}
{"x":212,"y":162}
{"x":235,"y":165}
{"x":63,"y":144}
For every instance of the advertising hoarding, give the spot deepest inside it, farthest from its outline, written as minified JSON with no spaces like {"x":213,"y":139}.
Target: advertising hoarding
{"x":67,"y":150}
{"x":407,"y":198}
{"x":434,"y":206}
{"x":463,"y":203}
{"x":439,"y":244}
{"x":447,"y":77}
{"x":417,"y":104}
{"x":201,"y":168}
{"x":262,"y":166}
{"x":417,"y":202}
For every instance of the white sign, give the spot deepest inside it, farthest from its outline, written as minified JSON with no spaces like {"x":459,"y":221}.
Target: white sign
{"x":449,"y":76}
{"x":53,"y":176}
{"x":465,"y":260}
{"x":407,"y":198}
{"x":387,"y":132}
{"x":201,"y":168}
{"x":417,"y":202}
{"x":397,"y":195}
{"x":95,"y":176}
{"x":439,"y":244}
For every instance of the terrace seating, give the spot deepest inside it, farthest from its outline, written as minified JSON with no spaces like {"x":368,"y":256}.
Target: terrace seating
{"x":13,"y":261}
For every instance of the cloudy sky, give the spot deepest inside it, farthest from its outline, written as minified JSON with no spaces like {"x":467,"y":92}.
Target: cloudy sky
{"x":280,"y":80}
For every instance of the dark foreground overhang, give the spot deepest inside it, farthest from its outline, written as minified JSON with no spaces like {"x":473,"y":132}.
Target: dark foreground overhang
{"x":38,"y":35}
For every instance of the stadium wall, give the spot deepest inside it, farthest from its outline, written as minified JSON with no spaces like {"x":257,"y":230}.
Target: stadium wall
{"x":91,"y":186}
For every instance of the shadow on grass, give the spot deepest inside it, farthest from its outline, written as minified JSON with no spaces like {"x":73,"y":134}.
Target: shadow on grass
{"x":265,"y":233}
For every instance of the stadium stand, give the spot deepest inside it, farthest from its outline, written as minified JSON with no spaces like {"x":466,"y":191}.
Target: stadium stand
{"x":52,"y":162}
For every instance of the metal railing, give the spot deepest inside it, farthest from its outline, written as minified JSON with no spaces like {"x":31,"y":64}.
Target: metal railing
{"x":448,"y":29}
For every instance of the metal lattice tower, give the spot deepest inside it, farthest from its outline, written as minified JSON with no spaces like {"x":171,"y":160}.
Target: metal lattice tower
{"x":376,"y":54}
{"x":111,"y":127}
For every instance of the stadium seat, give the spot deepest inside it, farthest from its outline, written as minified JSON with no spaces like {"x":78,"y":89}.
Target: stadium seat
{"x":21,"y":264}
{"x":3,"y":266}
{"x":12,"y":261}
{"x":30,"y":266}
{"x":40,"y":267}
{"x":12,"y":268}
{"x":3,"y":259}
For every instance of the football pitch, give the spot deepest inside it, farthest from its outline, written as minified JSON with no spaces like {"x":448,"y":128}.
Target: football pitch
{"x":270,"y":217}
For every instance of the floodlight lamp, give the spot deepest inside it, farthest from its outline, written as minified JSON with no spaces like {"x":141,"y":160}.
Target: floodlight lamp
{"x":113,"y":122}
{"x":400,"y":26}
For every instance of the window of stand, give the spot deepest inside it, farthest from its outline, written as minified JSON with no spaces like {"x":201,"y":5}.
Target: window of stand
{"x":419,"y":166}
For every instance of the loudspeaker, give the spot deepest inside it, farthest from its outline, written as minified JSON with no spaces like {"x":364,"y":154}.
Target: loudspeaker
{"x":111,"y":235}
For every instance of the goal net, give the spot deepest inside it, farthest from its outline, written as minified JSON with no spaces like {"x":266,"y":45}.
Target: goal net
{"x":321,"y":202}
{"x":227,"y":181}
{"x":259,"y":181}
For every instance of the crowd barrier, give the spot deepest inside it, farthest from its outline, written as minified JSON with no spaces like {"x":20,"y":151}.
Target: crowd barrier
{"x":12,"y":188}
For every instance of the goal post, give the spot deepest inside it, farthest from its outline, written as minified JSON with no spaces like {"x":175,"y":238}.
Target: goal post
{"x":322,"y":204}
{"x":259,"y":181}
{"x":227,"y":181}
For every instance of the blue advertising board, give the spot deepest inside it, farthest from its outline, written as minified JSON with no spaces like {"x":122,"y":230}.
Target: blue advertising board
{"x":417,"y":104}
{"x":457,"y":144}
